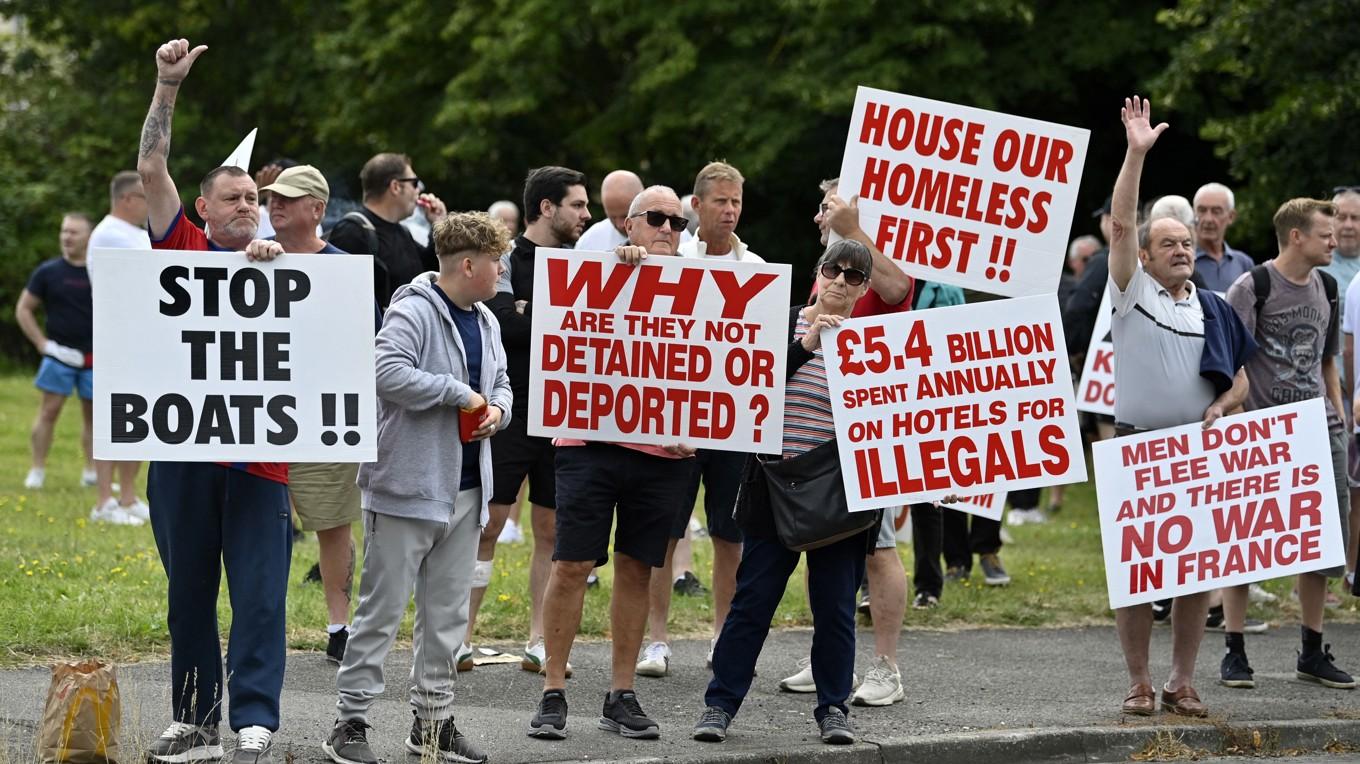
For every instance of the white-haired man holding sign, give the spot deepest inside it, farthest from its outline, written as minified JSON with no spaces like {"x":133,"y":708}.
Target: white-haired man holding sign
{"x":1200,"y":347}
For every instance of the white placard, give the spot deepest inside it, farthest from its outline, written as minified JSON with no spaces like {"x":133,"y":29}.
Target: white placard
{"x":963,"y":196}
{"x":1095,"y":391}
{"x":957,"y":400}
{"x":670,"y":351}
{"x":206,"y":356}
{"x":1185,"y":510}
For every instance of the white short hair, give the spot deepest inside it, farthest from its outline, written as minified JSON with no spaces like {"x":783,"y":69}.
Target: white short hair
{"x":1079,"y":242}
{"x":1219,"y":187}
{"x":1177,"y":207}
{"x":497,"y":207}
{"x":635,"y":206}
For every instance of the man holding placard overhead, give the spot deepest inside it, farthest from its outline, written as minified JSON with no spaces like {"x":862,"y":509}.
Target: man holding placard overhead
{"x":1199,"y":347}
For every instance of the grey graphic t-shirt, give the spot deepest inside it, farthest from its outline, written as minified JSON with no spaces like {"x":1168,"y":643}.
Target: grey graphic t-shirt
{"x":1296,"y":331}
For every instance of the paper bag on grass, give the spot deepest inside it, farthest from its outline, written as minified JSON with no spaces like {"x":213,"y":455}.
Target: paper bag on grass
{"x":82,"y":716}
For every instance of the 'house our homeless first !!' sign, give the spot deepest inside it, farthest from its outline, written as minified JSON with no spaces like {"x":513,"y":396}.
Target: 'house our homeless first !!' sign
{"x":206,"y":356}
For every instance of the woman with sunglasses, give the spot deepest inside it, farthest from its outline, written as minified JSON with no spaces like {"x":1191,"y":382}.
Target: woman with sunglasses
{"x":834,"y":571}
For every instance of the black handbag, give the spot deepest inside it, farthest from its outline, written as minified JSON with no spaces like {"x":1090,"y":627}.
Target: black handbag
{"x":806,"y":496}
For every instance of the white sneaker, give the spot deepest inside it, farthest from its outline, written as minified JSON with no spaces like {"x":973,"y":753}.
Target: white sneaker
{"x":88,"y":478}
{"x":656,"y":660}
{"x":882,"y":685}
{"x":110,"y":512}
{"x":803,"y":681}
{"x":1258,"y":595}
{"x":34,"y":479}
{"x":536,"y":657}
{"x":253,"y":746}
{"x":712,"y":643}
{"x":1023,"y":516}
{"x":510,"y":534}
{"x":462,"y":660}
{"x":137,"y":509}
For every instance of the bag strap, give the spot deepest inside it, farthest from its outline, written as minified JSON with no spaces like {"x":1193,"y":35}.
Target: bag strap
{"x":1260,"y":279}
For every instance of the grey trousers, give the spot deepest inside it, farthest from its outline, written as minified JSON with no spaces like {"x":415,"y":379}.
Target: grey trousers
{"x":436,"y":558}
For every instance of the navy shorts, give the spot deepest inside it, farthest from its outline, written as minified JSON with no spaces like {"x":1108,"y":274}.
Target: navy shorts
{"x":720,"y":472}
{"x":515,"y":455}
{"x":596,"y":479}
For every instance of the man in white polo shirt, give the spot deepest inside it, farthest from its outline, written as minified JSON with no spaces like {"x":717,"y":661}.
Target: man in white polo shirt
{"x":1160,"y":315}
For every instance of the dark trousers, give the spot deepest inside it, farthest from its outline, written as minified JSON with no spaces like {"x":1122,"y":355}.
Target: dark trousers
{"x":206,"y":517}
{"x":927,"y":541}
{"x":966,"y":535}
{"x":833,"y":575}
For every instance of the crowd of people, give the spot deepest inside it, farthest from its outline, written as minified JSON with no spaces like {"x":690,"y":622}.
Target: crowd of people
{"x":453,"y":306}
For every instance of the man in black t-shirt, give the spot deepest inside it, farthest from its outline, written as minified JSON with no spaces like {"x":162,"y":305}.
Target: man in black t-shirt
{"x":61,"y":287}
{"x":392,"y":191}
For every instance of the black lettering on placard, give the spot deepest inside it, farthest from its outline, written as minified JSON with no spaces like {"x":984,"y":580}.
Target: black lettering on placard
{"x":198,"y":352}
{"x":179,"y":296}
{"x":214,"y":423}
{"x":245,"y":354}
{"x":212,"y":279}
{"x":279,"y":411}
{"x":184,"y":418}
{"x":276,"y":356}
{"x":246,"y":406}
{"x":125,"y":417}
{"x":289,"y":287}
{"x":259,"y":293}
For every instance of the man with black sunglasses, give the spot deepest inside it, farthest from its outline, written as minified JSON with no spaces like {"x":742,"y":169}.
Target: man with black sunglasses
{"x":392,"y":191}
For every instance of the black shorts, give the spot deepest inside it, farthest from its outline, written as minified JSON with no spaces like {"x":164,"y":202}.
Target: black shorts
{"x":515,"y":455}
{"x":720,"y":472}
{"x":596,"y":478}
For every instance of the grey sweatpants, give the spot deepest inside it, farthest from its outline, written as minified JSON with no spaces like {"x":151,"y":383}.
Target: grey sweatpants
{"x":436,"y":558}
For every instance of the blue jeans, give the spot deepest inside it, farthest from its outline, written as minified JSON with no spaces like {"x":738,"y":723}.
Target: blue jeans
{"x":206,"y":517}
{"x":834,"y":573}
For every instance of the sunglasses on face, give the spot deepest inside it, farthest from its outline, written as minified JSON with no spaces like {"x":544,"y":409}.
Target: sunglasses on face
{"x":853,"y":276}
{"x":656,"y":219}
{"x":1337,"y":190}
{"x":415,"y":181}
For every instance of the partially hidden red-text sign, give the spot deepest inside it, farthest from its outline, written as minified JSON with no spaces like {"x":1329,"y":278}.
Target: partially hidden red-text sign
{"x":670,"y":351}
{"x":963,"y":196}
{"x":1185,"y":509}
{"x":961,"y":400}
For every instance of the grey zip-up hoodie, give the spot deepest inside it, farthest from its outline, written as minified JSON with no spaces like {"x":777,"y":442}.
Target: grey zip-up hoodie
{"x":422,"y":373}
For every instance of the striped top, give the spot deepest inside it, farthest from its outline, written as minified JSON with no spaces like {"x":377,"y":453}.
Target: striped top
{"x":807,"y":403}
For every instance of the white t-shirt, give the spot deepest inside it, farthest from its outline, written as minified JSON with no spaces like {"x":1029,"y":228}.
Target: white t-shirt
{"x":698,"y":249}
{"x":1350,"y":320}
{"x":116,"y":233}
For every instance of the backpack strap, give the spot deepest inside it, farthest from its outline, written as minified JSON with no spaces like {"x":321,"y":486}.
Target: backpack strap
{"x":1329,"y":288}
{"x":1260,"y":280}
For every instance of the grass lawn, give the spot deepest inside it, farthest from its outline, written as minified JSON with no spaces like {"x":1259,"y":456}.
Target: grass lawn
{"x":73,"y":588}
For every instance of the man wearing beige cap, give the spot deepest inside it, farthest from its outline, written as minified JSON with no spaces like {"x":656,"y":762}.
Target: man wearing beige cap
{"x":325,"y":496}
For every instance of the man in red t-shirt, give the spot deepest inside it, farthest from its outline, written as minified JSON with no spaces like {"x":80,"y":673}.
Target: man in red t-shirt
{"x":207,"y":516}
{"x":890,"y":290}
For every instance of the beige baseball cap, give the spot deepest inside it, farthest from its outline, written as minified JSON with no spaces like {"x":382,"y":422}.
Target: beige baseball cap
{"x":301,"y":180}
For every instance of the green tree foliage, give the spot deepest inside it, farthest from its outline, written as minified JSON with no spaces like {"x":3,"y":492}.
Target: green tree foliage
{"x":1276,"y":88}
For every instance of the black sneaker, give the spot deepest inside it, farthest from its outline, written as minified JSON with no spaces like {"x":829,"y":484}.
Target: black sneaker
{"x":623,"y":714}
{"x":335,"y":646}
{"x":348,"y":743}
{"x":836,"y":729}
{"x":1214,"y":620}
{"x":1235,"y":671}
{"x":993,"y":572}
{"x":550,"y":720}
{"x":1161,"y":611}
{"x":449,"y":744}
{"x":186,"y":742}
{"x":313,"y":574}
{"x":1318,"y":668}
{"x":925,"y":601}
{"x":712,"y":726}
{"x":689,"y":585}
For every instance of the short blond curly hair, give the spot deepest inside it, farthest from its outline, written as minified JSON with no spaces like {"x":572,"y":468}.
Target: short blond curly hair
{"x":476,"y":231}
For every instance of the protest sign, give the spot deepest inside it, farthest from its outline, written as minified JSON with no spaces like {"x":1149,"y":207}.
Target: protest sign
{"x":988,"y":505}
{"x":1095,"y":391}
{"x":963,"y":196}
{"x":669,"y":351}
{"x":206,"y":356}
{"x":1185,"y":509}
{"x":956,"y":400}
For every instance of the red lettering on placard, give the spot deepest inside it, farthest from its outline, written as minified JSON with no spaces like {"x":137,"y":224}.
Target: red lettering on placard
{"x":587,"y":278}
{"x":1104,"y":362}
{"x":736,"y":294}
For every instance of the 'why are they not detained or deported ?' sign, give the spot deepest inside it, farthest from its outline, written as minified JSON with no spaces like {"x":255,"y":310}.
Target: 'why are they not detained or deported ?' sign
{"x":206,"y":356}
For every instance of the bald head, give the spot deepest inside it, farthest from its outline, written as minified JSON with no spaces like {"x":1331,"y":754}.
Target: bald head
{"x":617,"y":191}
{"x":657,"y":240}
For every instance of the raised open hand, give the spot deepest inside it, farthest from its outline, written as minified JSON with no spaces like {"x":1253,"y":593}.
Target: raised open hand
{"x":174,"y":59}
{"x":1138,"y":129}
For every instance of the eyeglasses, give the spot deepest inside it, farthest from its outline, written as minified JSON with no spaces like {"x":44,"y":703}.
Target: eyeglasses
{"x":1338,"y":190}
{"x":656,"y":219}
{"x":853,"y":276}
{"x":414,"y":181}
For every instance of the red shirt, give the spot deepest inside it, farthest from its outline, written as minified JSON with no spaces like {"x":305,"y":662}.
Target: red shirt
{"x":184,"y":235}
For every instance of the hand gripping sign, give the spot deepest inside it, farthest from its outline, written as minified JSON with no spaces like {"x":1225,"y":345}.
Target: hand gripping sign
{"x":960,"y":400}
{"x":206,"y":356}
{"x":669,"y":351}
{"x":1186,"y":510}
{"x":963,"y":196}
{"x":1095,"y":392}
{"x":988,"y":505}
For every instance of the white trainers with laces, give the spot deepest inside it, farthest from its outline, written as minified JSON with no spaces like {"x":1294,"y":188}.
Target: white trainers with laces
{"x":34,"y":479}
{"x":882,"y":685}
{"x":1258,"y":595}
{"x":510,"y":534}
{"x":110,"y":512}
{"x":137,"y":509}
{"x":1024,"y":516}
{"x":88,"y":478}
{"x":803,"y":681}
{"x":536,"y":657}
{"x":254,"y":745}
{"x":656,"y":660}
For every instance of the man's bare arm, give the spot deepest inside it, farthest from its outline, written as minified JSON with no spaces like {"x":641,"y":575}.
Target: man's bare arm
{"x":888,"y":281}
{"x":173,"y":61}
{"x":1229,"y":401}
{"x":28,"y":321}
{"x":1138,"y":130}
{"x":1332,"y":380}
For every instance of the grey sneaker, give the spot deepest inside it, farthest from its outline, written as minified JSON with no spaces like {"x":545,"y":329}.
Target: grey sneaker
{"x":348,"y":743}
{"x":186,"y":742}
{"x":836,"y":729}
{"x":712,"y":726}
{"x":993,"y":573}
{"x":254,"y":745}
{"x":446,"y":742}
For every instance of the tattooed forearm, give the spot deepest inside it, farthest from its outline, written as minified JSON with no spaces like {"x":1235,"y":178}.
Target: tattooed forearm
{"x":156,"y":130}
